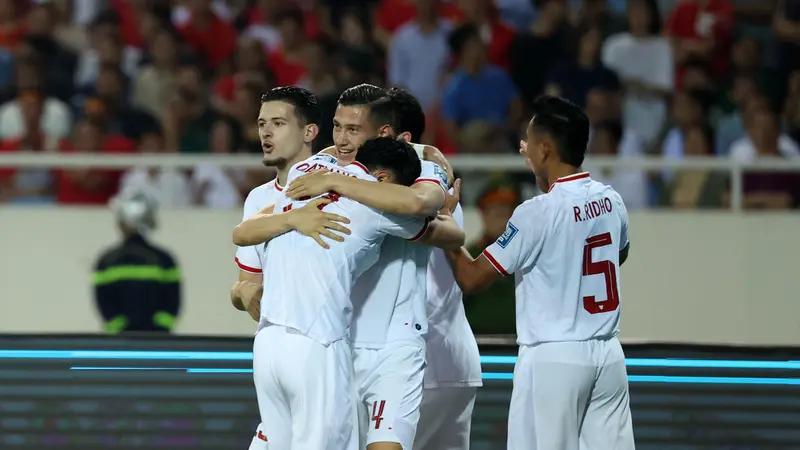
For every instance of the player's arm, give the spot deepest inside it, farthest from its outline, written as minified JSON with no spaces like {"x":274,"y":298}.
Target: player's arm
{"x":623,"y":254}
{"x":423,"y":198}
{"x":443,"y":232}
{"x":516,"y":249}
{"x":309,"y":220}
{"x":242,"y":291}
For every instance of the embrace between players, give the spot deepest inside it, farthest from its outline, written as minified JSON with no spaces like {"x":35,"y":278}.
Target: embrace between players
{"x":352,"y":262}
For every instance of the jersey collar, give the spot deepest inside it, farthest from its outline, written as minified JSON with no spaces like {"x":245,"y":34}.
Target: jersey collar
{"x":569,"y":178}
{"x":278,"y":186}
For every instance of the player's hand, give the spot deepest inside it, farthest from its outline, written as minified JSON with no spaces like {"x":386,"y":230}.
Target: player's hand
{"x":311,"y":221}
{"x":250,"y":293}
{"x":433,"y":154}
{"x":451,"y":201}
{"x":312,"y":184}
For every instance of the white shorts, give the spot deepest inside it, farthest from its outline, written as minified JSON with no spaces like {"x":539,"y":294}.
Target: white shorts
{"x":570,"y":396}
{"x":305,"y":390}
{"x":259,"y":441}
{"x":445,"y":418}
{"x":389,"y":383}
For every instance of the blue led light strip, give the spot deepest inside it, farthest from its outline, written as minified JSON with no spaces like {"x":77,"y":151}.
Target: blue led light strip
{"x":488,"y":359}
{"x":508,"y":376}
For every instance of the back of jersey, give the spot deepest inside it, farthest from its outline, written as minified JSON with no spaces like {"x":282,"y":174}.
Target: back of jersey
{"x":564,"y":248}
{"x":308,"y":287}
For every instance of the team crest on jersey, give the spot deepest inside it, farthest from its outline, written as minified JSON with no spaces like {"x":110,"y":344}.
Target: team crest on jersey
{"x":324,"y":157}
{"x":508,"y":235}
{"x":440,"y":173}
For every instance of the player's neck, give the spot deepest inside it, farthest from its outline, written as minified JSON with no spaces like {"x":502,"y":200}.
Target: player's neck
{"x":283,"y":171}
{"x":561,"y":171}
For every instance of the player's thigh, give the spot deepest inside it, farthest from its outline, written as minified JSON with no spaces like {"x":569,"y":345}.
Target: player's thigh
{"x":549,"y":398}
{"x":322,"y":397}
{"x":607,"y":424}
{"x":393,"y":395}
{"x":272,"y":406}
{"x":445,"y":418}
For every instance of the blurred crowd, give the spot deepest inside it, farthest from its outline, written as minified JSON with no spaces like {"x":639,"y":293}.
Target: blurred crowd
{"x":676,"y":78}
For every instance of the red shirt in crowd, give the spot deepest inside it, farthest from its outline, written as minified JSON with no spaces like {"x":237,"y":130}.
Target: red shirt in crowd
{"x":128,"y":23}
{"x":287,"y":72}
{"x":693,"y":22}
{"x":217,"y":42}
{"x":70,"y":193}
{"x":392,"y":14}
{"x":313,"y":27}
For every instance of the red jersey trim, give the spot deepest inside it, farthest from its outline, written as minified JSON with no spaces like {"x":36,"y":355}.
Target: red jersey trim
{"x":261,"y":436}
{"x":422,"y":232}
{"x":278,"y":186}
{"x":577,"y":176}
{"x":494,"y":263}
{"x":246,"y":268}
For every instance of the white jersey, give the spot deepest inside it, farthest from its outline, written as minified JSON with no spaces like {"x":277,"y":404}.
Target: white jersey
{"x":563,"y":248}
{"x":453,"y":357}
{"x":399,"y":275}
{"x":309,"y":287}
{"x":249,"y":258}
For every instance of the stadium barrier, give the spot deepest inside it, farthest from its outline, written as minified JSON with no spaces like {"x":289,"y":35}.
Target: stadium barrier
{"x":95,"y":392}
{"x":480,"y":163}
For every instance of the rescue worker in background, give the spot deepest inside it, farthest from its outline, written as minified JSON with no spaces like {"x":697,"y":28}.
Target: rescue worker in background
{"x":137,"y":285}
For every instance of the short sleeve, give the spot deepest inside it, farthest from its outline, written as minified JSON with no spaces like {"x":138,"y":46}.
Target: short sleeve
{"x":623,"y":229}
{"x":406,"y":227}
{"x":247,"y":258}
{"x":519,"y":246}
{"x":432,"y":173}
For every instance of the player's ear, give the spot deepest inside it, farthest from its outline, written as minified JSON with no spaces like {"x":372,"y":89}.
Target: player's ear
{"x":385,"y":131}
{"x":311,"y":133}
{"x":404,"y":136}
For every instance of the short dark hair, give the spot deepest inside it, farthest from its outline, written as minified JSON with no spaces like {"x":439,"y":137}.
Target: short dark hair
{"x":565,"y":123}
{"x":410,"y":116}
{"x":382,"y":112}
{"x":390,"y":154}
{"x":461,"y":36}
{"x":306,"y":105}
{"x":362,"y":94}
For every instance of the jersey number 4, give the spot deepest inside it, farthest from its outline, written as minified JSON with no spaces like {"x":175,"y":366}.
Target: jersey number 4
{"x":605,"y":268}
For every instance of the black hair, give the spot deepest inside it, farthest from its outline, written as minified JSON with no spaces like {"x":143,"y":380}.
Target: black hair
{"x":292,"y":14}
{"x":565,"y":123}
{"x":655,"y":15}
{"x":382,"y":112}
{"x":461,"y":36}
{"x":306,"y":105}
{"x":614,"y":128}
{"x":410,"y":116}
{"x":362,"y":94}
{"x":704,"y":98}
{"x":390,"y":154}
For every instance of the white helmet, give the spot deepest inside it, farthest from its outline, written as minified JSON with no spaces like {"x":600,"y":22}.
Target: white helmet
{"x":135,"y":209}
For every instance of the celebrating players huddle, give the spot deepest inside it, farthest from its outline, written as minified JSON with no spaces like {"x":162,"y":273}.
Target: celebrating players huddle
{"x":352,"y":263}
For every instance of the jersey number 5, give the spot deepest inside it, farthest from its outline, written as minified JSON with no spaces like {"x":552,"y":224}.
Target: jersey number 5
{"x":605,"y":268}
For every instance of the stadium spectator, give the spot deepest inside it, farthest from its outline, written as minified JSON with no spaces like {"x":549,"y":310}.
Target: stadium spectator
{"x":11,"y":30}
{"x":701,"y":29}
{"x":71,"y":22}
{"x":106,"y":50}
{"x":764,"y":137}
{"x":496,"y":35}
{"x":730,"y":127}
{"x":288,"y":61}
{"x":573,"y":78}
{"x":188,"y":118}
{"x":119,"y":115}
{"x":697,"y":188}
{"x":535,"y":49}
{"x":689,"y":109}
{"x":56,"y":118}
{"x":212,"y":37}
{"x":786,"y":25}
{"x":597,"y":13}
{"x":420,"y":73}
{"x":631,"y":184}
{"x":28,"y":185}
{"x":250,"y":68}
{"x":170,"y":188}
{"x":156,"y":80}
{"x":390,"y":15}
{"x":488,"y":311}
{"x":58,"y":63}
{"x":642,"y":60}
{"x":90,"y":186}
{"x":478,"y":93}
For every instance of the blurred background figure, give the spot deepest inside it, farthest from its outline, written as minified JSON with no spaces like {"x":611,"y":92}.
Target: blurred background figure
{"x":488,"y":311}
{"x":137,"y":285}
